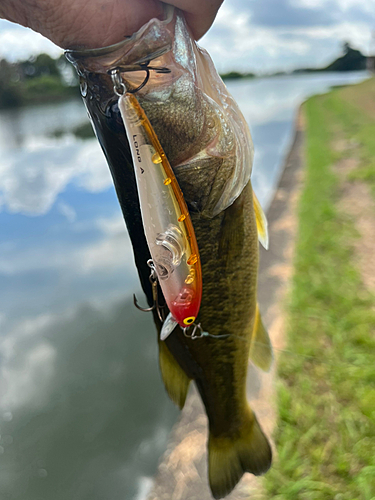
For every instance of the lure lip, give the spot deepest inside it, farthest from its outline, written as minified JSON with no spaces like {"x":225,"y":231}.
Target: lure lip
{"x":168,"y":327}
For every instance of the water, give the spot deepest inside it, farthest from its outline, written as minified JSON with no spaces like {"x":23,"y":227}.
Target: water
{"x":270,"y":106}
{"x":83,"y":413}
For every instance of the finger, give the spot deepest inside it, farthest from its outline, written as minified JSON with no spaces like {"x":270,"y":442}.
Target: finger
{"x":199,"y":14}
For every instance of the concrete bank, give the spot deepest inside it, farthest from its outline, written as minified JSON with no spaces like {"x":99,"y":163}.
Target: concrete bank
{"x":182,"y":473}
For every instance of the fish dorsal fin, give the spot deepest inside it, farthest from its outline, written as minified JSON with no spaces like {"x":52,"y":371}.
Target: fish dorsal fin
{"x":260,"y":347}
{"x":175,"y":379}
{"x":261,"y":220}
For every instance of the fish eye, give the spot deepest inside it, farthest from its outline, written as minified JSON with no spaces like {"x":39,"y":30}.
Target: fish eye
{"x":189,"y":320}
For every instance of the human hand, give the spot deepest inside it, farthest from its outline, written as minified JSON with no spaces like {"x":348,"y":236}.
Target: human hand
{"x":73,"y":24}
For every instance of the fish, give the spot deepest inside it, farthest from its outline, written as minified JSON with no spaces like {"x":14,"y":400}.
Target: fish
{"x":209,"y":147}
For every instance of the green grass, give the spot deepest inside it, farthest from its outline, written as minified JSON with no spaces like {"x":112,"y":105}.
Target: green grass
{"x":326,"y":434}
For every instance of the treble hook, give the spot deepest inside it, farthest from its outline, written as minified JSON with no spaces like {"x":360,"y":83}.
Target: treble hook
{"x":115,"y":72}
{"x":154,"y":286}
{"x":147,"y":77}
{"x":143,"y":309}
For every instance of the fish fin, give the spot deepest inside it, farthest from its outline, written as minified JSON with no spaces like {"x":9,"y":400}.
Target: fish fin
{"x":175,"y":379}
{"x":229,"y":458}
{"x":232,"y":232}
{"x":260,"y":348}
{"x":261,"y":220}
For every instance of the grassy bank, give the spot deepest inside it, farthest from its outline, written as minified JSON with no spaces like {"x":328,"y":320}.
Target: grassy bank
{"x":326,"y":434}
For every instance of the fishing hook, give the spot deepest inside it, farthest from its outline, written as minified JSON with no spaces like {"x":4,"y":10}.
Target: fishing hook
{"x":119,"y":86}
{"x":154,"y":285}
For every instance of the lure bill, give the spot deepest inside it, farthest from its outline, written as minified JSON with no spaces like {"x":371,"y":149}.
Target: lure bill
{"x":168,"y":228}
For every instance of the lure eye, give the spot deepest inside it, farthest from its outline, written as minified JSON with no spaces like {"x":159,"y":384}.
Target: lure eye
{"x":189,"y":320}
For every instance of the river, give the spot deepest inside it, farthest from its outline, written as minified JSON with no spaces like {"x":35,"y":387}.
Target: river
{"x":83,"y":412}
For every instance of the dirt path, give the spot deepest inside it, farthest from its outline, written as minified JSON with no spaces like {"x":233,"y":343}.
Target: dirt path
{"x":182,"y":473}
{"x":358,"y":203}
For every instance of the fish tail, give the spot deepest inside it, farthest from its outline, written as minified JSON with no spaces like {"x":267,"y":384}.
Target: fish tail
{"x":231,"y":456}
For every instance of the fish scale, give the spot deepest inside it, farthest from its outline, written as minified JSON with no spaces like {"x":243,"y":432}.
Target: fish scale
{"x":179,"y":123}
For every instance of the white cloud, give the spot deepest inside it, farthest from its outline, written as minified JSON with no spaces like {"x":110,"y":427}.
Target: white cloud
{"x":28,"y":382}
{"x":235,"y":42}
{"x":67,"y":211}
{"x":18,"y":43}
{"x":341,"y":5}
{"x":112,"y":226}
{"x":108,"y":253}
{"x":31,"y":177}
{"x":26,"y":374}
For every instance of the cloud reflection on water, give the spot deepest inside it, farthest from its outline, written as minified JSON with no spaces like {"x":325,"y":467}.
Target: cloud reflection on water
{"x":31,"y":177}
{"x":77,"y":386}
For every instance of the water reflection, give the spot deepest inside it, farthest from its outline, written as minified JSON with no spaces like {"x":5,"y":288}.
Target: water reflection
{"x":79,"y":417}
{"x":19,"y":125}
{"x":32,"y":176}
{"x":52,"y":264}
{"x":269,"y":106}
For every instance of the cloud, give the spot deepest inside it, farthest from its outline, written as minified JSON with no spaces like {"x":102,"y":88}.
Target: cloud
{"x":67,"y":211}
{"x":31,"y":177}
{"x":272,"y":35}
{"x":83,"y":399}
{"x":28,"y":381}
{"x":107,"y":253}
{"x":18,"y":43}
{"x":284,"y":13}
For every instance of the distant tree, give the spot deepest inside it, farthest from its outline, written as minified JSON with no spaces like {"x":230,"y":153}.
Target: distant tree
{"x":39,"y":79}
{"x":10,"y":92}
{"x":67,"y":72}
{"x":234,"y":75}
{"x":352,"y":60}
{"x":42,"y":65}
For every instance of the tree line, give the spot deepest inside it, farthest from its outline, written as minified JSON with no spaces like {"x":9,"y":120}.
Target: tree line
{"x":35,"y":80}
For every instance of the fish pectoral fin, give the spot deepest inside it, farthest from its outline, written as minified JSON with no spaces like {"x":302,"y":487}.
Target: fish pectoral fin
{"x":260,"y":347}
{"x":215,"y":198}
{"x":175,"y":380}
{"x":229,"y":458}
{"x":262,"y":224}
{"x":232,"y":234}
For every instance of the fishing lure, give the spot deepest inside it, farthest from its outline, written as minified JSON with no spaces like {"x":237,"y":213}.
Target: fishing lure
{"x":166,"y":221}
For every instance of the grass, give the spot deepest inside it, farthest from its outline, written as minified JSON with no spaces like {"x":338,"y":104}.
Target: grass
{"x":358,"y":123}
{"x":326,"y":434}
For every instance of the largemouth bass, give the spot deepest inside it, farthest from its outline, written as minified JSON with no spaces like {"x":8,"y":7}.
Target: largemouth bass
{"x":207,"y":142}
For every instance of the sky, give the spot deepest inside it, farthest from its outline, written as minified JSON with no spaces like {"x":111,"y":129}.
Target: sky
{"x":254,"y":35}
